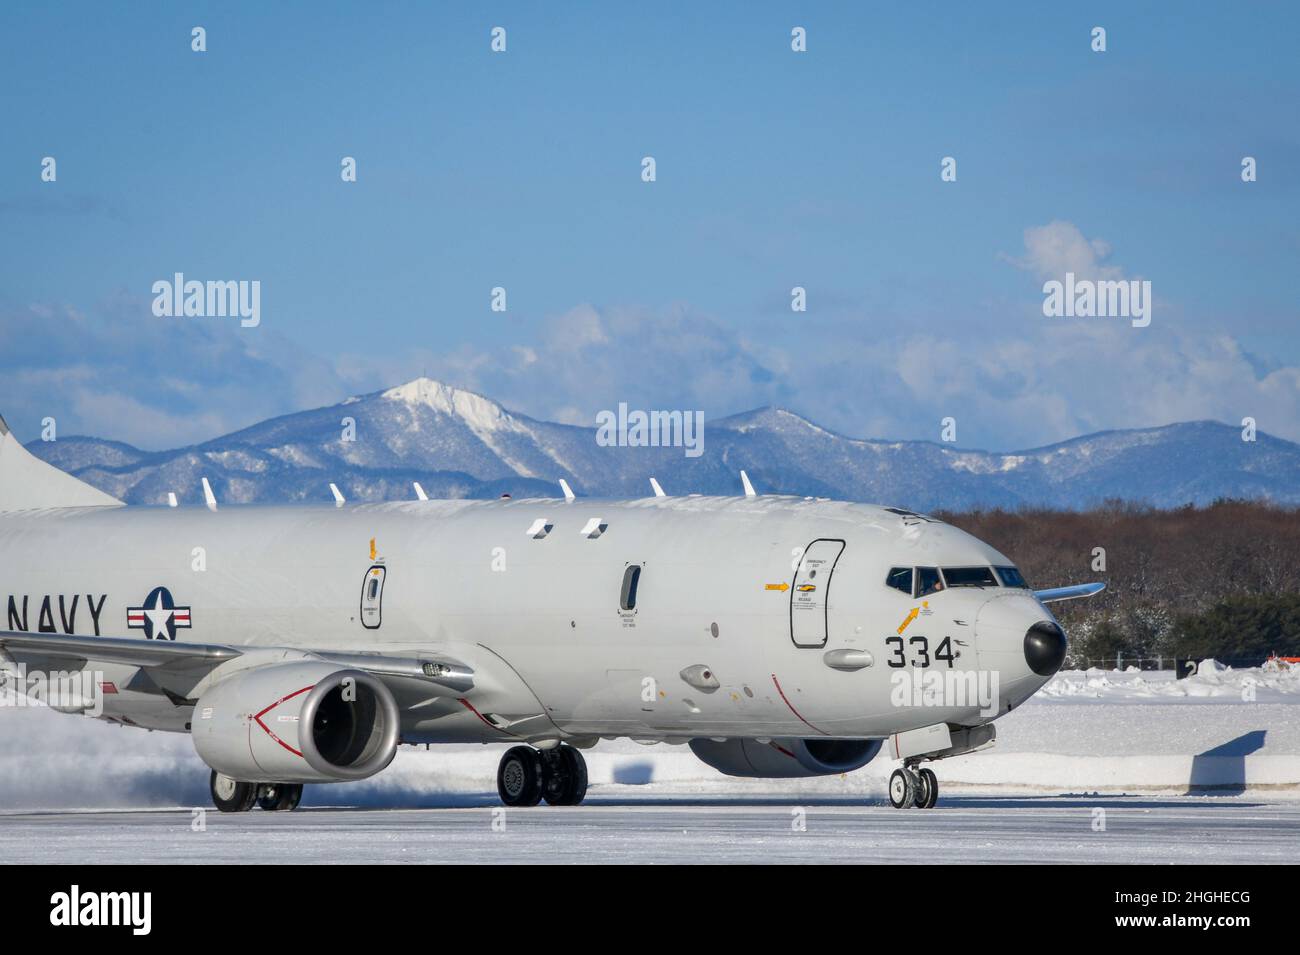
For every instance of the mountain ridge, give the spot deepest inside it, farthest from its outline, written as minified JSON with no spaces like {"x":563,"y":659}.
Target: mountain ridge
{"x":459,"y":443}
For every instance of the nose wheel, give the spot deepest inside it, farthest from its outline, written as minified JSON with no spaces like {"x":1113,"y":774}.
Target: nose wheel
{"x":927,"y":793}
{"x":910,"y":786}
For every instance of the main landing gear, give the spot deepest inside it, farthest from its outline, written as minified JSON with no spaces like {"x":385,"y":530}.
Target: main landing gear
{"x":230,"y":795}
{"x":526,"y":776}
{"x":910,"y":786}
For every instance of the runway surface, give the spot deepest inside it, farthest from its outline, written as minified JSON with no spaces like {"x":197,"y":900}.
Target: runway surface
{"x":991,"y":829}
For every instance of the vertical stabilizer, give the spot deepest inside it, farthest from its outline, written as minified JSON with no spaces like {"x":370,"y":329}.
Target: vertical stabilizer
{"x":27,"y":482}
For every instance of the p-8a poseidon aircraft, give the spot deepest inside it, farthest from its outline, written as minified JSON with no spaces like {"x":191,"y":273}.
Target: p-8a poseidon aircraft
{"x":777,"y":636}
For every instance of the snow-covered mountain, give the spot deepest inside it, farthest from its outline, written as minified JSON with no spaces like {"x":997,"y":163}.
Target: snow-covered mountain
{"x":460,"y":444}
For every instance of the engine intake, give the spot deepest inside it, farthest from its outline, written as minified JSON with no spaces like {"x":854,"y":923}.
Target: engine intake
{"x":786,"y":758}
{"x":297,"y":722}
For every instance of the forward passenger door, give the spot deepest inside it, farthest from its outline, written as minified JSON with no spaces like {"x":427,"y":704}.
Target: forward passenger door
{"x":810,"y":593}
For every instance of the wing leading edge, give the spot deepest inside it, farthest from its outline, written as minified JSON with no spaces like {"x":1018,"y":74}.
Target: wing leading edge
{"x":187,"y":663}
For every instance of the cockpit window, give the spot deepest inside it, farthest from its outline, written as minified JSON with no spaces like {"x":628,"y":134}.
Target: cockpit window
{"x":1011,"y":577}
{"x":969,"y":577}
{"x":900,"y":578}
{"x":927,"y":581}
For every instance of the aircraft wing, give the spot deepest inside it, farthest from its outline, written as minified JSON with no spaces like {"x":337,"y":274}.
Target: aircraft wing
{"x":1069,"y":593}
{"x":133,"y":651}
{"x":177,"y":666}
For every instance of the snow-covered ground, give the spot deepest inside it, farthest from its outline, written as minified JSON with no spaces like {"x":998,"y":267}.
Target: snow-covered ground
{"x":1220,"y":731}
{"x":636,"y":828}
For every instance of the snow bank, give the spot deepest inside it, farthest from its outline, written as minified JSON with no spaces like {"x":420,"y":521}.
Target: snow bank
{"x":1276,"y":682}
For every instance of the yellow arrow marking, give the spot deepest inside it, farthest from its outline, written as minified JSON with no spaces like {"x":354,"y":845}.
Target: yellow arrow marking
{"x":781,"y":587}
{"x":907,"y":620}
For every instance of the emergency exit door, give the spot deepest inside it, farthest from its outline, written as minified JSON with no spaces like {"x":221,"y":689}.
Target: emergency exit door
{"x":811,"y":592}
{"x":372,"y":598}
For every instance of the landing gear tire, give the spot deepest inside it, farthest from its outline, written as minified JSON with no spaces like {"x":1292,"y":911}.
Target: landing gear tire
{"x":902,"y":789}
{"x":930,"y":784}
{"x":566,"y":776}
{"x":279,"y":797}
{"x":521,"y":777}
{"x":230,"y":795}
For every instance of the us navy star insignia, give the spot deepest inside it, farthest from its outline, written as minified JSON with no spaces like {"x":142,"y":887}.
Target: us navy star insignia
{"x":158,"y":617}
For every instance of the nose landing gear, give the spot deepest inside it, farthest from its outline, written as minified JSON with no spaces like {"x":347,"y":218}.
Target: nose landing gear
{"x":526,"y":776}
{"x":910,"y":786}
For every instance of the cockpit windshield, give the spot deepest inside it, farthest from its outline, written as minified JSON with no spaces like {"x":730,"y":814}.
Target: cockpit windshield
{"x":927,"y":581}
{"x":969,"y":577}
{"x":1011,"y":577}
{"x":923,"y":581}
{"x":900,"y":578}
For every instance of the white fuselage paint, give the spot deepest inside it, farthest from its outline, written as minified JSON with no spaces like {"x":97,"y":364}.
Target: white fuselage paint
{"x":539,"y":620}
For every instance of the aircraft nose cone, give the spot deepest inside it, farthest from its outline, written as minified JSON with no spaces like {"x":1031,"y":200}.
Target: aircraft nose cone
{"x":1045,"y":648}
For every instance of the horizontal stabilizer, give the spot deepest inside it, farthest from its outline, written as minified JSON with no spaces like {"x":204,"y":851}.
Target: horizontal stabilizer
{"x":27,"y":482}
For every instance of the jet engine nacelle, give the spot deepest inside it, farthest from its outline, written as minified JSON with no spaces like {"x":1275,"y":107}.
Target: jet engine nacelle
{"x":786,"y":758}
{"x":301,"y":722}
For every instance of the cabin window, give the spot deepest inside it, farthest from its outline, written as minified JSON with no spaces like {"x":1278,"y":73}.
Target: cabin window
{"x":927,"y":581}
{"x":900,"y":578}
{"x":631,"y":578}
{"x":1011,"y":577}
{"x":969,"y":577}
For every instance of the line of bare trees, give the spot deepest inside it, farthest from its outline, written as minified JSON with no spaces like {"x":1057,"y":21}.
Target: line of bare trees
{"x":1221,"y":581}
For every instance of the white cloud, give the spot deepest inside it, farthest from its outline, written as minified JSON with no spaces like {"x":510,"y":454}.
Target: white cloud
{"x":1056,"y":248}
{"x":587,"y":359}
{"x":122,"y":373}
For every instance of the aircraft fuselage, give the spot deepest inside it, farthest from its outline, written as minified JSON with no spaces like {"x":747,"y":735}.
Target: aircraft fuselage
{"x":753,"y":617}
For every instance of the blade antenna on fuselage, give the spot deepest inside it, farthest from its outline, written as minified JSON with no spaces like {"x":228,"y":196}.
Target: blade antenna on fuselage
{"x":749,"y":488}
{"x":209,"y":498}
{"x":654,"y":485}
{"x":339,"y":499}
{"x":568,"y":491}
{"x":419,"y":491}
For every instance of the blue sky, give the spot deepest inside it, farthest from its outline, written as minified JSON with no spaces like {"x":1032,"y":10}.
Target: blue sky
{"x":774,"y":169}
